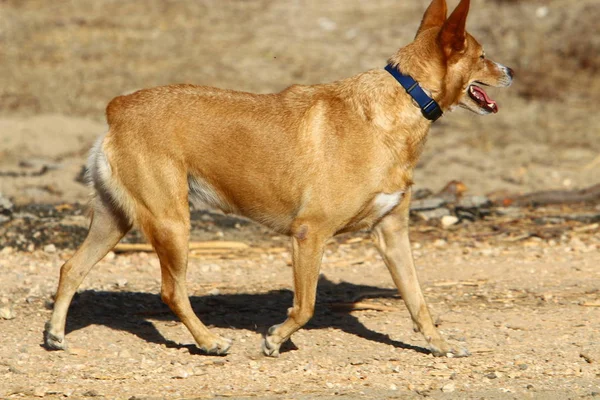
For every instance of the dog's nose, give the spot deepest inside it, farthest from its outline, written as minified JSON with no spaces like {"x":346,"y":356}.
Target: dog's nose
{"x":510,"y":72}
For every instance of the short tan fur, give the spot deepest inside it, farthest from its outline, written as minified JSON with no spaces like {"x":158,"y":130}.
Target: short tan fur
{"x":309,"y":162}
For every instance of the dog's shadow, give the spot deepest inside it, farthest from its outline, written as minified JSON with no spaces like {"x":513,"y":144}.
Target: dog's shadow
{"x":131,"y":312}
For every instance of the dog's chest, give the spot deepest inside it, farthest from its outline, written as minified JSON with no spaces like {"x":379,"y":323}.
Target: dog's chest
{"x":385,"y":202}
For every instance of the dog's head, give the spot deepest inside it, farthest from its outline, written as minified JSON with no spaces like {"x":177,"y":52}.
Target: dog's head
{"x":448,"y":52}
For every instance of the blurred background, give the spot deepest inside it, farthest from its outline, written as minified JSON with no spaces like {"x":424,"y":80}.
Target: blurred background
{"x":62,"y":61}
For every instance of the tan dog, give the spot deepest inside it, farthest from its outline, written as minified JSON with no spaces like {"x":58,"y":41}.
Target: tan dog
{"x":310,"y":162}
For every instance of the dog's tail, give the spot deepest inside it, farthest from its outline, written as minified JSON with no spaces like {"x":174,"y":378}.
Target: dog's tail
{"x":104,"y":183}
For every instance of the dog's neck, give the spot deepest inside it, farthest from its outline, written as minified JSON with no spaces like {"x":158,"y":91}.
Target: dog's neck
{"x":410,"y":61}
{"x":396,"y":121}
{"x":429,"y":107}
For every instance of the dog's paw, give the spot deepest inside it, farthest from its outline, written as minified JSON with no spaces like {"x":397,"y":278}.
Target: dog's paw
{"x":218,"y":346}
{"x":271,"y":343}
{"x":269,"y":348}
{"x":443,"y":349}
{"x":53,"y":341}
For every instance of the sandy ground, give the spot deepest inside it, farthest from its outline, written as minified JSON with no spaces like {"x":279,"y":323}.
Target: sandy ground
{"x":528,"y":312}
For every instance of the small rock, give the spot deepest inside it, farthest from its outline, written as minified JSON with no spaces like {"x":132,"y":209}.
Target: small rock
{"x":39,"y":392}
{"x":121,"y":282}
{"x":50,"y":248}
{"x":4,"y":219}
{"x":214,"y":292}
{"x":181,"y":374}
{"x":588,"y":358}
{"x":7,"y":312}
{"x":91,"y":393}
{"x":327,"y":25}
{"x":514,"y":212}
{"x":393,"y":387}
{"x":329,"y":385}
{"x":542,"y":12}
{"x":7,"y":250}
{"x":6,"y":206}
{"x":449,"y":220}
{"x":253,"y":364}
{"x":437,"y":213}
{"x":474,"y":202}
{"x":440,"y":243}
{"x":430,"y":203}
{"x":491,"y":375}
{"x":16,"y":370}
{"x":449,"y":388}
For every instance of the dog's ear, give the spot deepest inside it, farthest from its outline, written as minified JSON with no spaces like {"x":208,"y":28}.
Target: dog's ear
{"x":453,"y":36}
{"x":434,"y":16}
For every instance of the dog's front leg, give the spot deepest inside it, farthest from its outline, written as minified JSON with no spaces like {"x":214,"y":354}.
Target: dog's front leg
{"x":307,"y":252}
{"x":391,"y":238}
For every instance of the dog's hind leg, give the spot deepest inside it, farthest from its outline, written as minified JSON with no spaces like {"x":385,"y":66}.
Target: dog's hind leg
{"x":391,"y":238}
{"x":107,"y":227}
{"x":164,"y":217}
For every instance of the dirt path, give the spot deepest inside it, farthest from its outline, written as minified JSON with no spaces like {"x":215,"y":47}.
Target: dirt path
{"x":527,"y":311}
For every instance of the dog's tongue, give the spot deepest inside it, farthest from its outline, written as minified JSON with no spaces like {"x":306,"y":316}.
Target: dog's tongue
{"x":484,"y":99}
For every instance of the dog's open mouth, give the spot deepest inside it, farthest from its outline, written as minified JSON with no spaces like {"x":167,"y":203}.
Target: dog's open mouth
{"x":482,"y":99}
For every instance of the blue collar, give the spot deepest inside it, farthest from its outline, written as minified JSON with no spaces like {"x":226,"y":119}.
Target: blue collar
{"x":429,"y":107}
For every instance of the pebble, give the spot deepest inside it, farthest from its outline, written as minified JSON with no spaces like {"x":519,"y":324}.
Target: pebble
{"x":393,"y":387}
{"x":449,"y":388}
{"x":7,"y":312}
{"x":438,"y":213}
{"x":7,"y":250}
{"x":427,"y":204}
{"x":491,"y":375}
{"x":50,"y":248}
{"x":181,"y":374}
{"x":6,"y":206}
{"x":474,"y":202}
{"x":449,"y":220}
{"x":542,"y":12}
{"x":327,"y":25}
{"x":121,"y":282}
{"x":440,"y":243}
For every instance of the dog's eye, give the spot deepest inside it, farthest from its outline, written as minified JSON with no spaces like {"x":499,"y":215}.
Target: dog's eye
{"x":482,"y":56}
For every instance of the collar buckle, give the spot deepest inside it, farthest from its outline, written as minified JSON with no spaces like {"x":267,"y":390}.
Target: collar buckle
{"x":429,"y":107}
{"x":432,"y":110}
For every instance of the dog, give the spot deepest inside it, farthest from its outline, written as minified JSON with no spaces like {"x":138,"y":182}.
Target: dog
{"x":309,"y":162}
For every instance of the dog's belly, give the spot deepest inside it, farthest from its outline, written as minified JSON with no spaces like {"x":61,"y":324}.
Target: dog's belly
{"x":280,"y":219}
{"x":381,"y":205}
